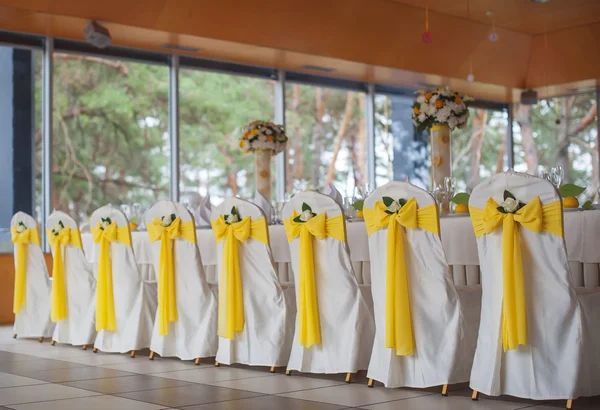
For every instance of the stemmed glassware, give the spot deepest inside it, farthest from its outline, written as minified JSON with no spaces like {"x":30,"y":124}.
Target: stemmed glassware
{"x":349,"y":210}
{"x":543,"y":173}
{"x":556,"y":176}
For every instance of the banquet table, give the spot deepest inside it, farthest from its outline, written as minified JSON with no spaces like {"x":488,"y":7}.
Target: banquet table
{"x":582,"y":238}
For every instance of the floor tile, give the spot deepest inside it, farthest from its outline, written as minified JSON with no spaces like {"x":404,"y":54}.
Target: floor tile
{"x":100,"y":359}
{"x":10,"y":380}
{"x":90,"y":403}
{"x":213,"y":374}
{"x":582,"y":403}
{"x":145,"y":366}
{"x":188,"y":395}
{"x":266,"y":403}
{"x":41,"y":392}
{"x":15,"y":357}
{"x":276,"y":384}
{"x":25,"y":368}
{"x":354,"y":395}
{"x":439,"y":402}
{"x":125,"y":384}
{"x":75,"y":373}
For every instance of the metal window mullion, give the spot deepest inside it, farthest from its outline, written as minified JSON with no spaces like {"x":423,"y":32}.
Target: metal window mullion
{"x":174,"y":126}
{"x":47,"y":90}
{"x":598,"y":122}
{"x":281,"y":159}
{"x":370,"y":123}
{"x":510,"y":149}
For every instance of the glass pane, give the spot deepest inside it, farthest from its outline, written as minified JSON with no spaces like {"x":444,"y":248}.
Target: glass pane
{"x":327,"y":132}
{"x":562,"y":132}
{"x":111,"y":141}
{"x":213,"y":110}
{"x":479,"y":149}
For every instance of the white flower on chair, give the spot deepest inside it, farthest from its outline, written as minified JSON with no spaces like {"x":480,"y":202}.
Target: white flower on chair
{"x":306,"y":215}
{"x":104,"y":223}
{"x":57,"y":228}
{"x":21,"y":227}
{"x":167,"y":220}
{"x":233,"y":217}
{"x":510,"y":205}
{"x":393,"y":206}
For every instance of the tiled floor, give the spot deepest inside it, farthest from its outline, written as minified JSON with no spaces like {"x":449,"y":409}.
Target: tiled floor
{"x":36,"y":376}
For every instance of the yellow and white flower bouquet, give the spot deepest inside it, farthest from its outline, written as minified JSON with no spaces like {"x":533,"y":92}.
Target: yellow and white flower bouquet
{"x":263,"y":136}
{"x":442,"y":106}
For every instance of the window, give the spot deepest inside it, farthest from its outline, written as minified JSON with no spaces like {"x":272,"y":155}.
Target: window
{"x":213,"y":110}
{"x":327,"y":135}
{"x":479,"y":149}
{"x":110,"y":141}
{"x":562,"y":132}
{"x":19,"y":120}
{"x":401,"y":152}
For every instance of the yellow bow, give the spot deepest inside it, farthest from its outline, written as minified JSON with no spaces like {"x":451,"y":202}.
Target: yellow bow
{"x":398,"y":322}
{"x":106,"y":317}
{"x":65,"y":237}
{"x":231,"y":303}
{"x":167,"y":302}
{"x":535,"y":218}
{"x":308,"y":308}
{"x":22,"y":240}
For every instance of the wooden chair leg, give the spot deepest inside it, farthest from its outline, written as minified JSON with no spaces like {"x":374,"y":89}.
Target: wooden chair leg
{"x":151,"y":357}
{"x":475,"y":395}
{"x":288,"y":372}
{"x":371,"y":383}
{"x":217,"y":364}
{"x":14,"y":335}
{"x":53,"y":342}
{"x":41,"y":339}
{"x":95,"y":350}
{"x":348,"y":377}
{"x":445,"y":390}
{"x":197,"y":361}
{"x":272,"y":370}
{"x":569,"y":404}
{"x":84,"y":347}
{"x":132,"y":354}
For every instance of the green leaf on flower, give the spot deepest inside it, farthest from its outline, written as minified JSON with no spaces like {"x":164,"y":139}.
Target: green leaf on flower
{"x":501,"y":210}
{"x":507,"y":194}
{"x":388,"y":212}
{"x":461,"y":198}
{"x":61,"y":224}
{"x":587,"y":205}
{"x":306,"y":207}
{"x":402,"y":201}
{"x":358,"y":205}
{"x":387,"y":201}
{"x":173,"y":216}
{"x":297,"y":219}
{"x":570,"y":190}
{"x":521,"y":205}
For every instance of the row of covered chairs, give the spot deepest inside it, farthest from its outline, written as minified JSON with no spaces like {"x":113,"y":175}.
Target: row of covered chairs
{"x":426,"y":327}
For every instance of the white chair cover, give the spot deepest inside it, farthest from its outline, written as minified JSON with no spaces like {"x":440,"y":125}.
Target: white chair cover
{"x":561,"y":359}
{"x":34,"y":318}
{"x":261,"y":201}
{"x":79,"y":328}
{"x":347,"y":327}
{"x":333,"y":192}
{"x":269,"y":311}
{"x":194,"y":334}
{"x":135,"y":307}
{"x":203,"y":212}
{"x":442,"y":355}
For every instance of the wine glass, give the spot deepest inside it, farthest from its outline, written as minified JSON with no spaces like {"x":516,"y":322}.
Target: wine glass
{"x":556,"y":176}
{"x":280,"y":205}
{"x":349,"y":210}
{"x":126,"y":210}
{"x":543,"y":173}
{"x":449,"y":188}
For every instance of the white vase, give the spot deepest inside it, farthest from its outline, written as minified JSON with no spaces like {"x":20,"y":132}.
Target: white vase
{"x":262,"y":162}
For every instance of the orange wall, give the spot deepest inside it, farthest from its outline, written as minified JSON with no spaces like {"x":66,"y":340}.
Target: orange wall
{"x":7,"y":278}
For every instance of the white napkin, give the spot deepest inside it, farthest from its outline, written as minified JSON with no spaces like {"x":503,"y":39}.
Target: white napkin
{"x":203,"y":212}
{"x":262,"y":202}
{"x":335,"y":194}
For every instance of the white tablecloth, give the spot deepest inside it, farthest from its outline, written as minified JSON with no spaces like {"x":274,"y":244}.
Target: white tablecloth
{"x":582,"y":237}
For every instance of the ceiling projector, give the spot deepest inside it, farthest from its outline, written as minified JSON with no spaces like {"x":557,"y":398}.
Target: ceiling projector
{"x":97,"y":35}
{"x":529,"y":97}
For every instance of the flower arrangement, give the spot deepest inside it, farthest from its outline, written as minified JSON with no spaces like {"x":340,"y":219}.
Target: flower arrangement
{"x":510,"y":205}
{"x":393,"y":206}
{"x":57,"y":228}
{"x":233,"y":217}
{"x":306,"y":215}
{"x":442,"y":106}
{"x":263,"y":136}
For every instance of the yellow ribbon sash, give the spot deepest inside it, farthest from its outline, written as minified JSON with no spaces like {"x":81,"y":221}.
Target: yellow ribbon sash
{"x":231,"y":302}
{"x":398,"y":321}
{"x":22,"y":241}
{"x":308,"y":308}
{"x":167,"y":302}
{"x":106,"y":317}
{"x":535,"y":218}
{"x":65,"y":237}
